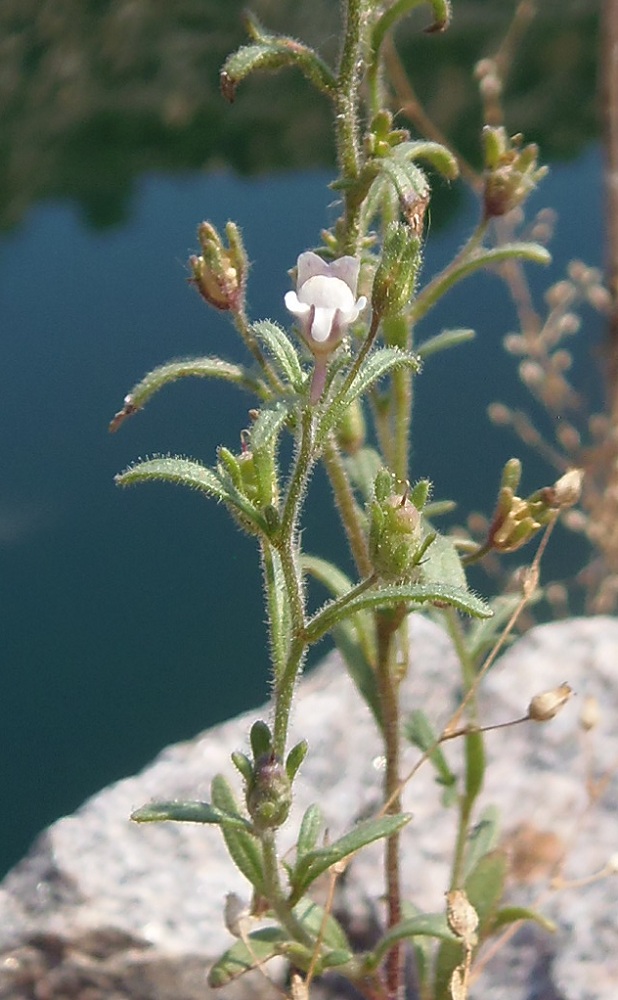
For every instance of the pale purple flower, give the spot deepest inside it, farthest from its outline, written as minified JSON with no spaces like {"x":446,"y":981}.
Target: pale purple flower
{"x":324,"y":304}
{"x":325,"y":300}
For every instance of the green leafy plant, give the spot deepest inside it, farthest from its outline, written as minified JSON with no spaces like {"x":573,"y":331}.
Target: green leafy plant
{"x":351,"y":359}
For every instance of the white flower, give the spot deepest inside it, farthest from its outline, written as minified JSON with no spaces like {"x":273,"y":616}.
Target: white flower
{"x":325,"y":300}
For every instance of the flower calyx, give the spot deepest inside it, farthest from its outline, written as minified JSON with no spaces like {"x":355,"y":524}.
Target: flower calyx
{"x":220,"y":272}
{"x":511,"y":171}
{"x":395,"y":530}
{"x":395,"y":277}
{"x":268,"y":781}
{"x":324,"y":304}
{"x":516,"y":520}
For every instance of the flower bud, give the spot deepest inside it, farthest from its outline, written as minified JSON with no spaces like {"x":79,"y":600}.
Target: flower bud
{"x":395,"y":278}
{"x":395,"y":533}
{"x":351,"y":430}
{"x":220,"y":273}
{"x":545,"y":706}
{"x":269,"y":794}
{"x":511,"y":171}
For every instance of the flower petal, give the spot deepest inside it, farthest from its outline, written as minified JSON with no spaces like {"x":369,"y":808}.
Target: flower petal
{"x":346,"y":269}
{"x":322,"y":324}
{"x":294,"y":305}
{"x":308,"y":265}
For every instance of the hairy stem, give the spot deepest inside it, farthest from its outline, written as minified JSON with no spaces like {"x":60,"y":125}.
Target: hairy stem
{"x":351,"y":66}
{"x":388,"y":686}
{"x":276,"y":895}
{"x":346,"y":505}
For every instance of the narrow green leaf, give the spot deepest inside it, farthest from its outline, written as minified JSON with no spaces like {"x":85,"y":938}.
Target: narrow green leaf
{"x":485,"y":887}
{"x":448,"y":957}
{"x":338,"y":584}
{"x":358,"y":666}
{"x":419,"y":731}
{"x":315,"y":862}
{"x":187,"y":812}
{"x":511,"y":914}
{"x":442,"y":565}
{"x":269,"y":424}
{"x":443,"y":342}
{"x":159,"y":377}
{"x":376,"y":366}
{"x":353,"y":637}
{"x":474,"y":261}
{"x":431,"y":925}
{"x":311,"y":824}
{"x":483,"y":838}
{"x":475,"y":764}
{"x":246,"y":853}
{"x":295,"y":758}
{"x":244,"y":849}
{"x":314,"y":920}
{"x":408,"y":180}
{"x":174,"y":469}
{"x":282,"y":350}
{"x":263,"y":944}
{"x":399,"y":9}
{"x":440,"y":158}
{"x":188,"y":472}
{"x":381,"y":597}
{"x":273,"y":52}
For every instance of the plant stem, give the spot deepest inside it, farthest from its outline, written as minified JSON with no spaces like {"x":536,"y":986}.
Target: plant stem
{"x":287,"y":547}
{"x":276,"y":895}
{"x":244,"y":328}
{"x":351,"y":67}
{"x":277,"y":608}
{"x":326,"y":619}
{"x":388,"y":687}
{"x":398,"y":333}
{"x":474,"y":752}
{"x":346,"y":505}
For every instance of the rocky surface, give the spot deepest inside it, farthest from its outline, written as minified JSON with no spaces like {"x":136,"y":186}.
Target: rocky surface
{"x":101,"y":908}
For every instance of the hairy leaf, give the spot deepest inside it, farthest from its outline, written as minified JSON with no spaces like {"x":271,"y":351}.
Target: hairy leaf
{"x":159,"y":377}
{"x":315,"y":862}
{"x":187,"y":812}
{"x":405,"y":593}
{"x":375,"y":367}
{"x":432,"y":925}
{"x":261,"y":945}
{"x":282,"y":350}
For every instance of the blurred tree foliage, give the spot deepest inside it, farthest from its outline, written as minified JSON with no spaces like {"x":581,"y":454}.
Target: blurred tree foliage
{"x":93,"y":93}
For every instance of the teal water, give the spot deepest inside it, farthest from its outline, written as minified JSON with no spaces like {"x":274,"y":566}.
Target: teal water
{"x":133,"y":619}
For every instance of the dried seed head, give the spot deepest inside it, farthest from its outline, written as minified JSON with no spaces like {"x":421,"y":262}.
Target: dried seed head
{"x":568,"y":489}
{"x":545,"y":706}
{"x":462,"y":917}
{"x":458,"y":985}
{"x":236,"y":914}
